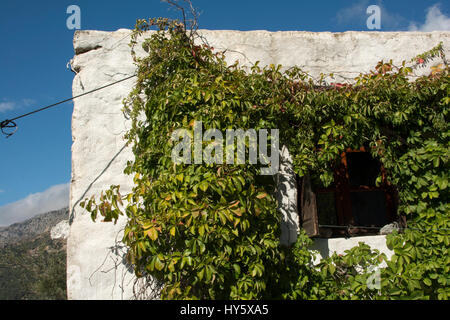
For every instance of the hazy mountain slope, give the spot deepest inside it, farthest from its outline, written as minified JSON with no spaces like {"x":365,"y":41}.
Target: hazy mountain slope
{"x":32,"y":265}
{"x":32,"y":227}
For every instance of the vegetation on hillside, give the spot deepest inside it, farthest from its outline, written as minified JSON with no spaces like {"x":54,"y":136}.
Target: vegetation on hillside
{"x":33,"y":269}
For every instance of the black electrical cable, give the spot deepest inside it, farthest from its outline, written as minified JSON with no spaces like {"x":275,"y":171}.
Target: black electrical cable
{"x":10,"y":123}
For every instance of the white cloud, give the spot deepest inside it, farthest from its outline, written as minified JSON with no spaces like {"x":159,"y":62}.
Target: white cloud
{"x":356,"y":11}
{"x":5,"y":106}
{"x":28,"y":102}
{"x":10,"y":105}
{"x":435,"y":20}
{"x":1,"y":191}
{"x":54,"y":198}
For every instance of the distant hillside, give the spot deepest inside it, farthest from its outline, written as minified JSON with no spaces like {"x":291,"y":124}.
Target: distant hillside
{"x":30,"y":228}
{"x":32,"y":265}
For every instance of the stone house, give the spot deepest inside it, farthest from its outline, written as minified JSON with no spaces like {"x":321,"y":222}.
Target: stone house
{"x":96,"y":268}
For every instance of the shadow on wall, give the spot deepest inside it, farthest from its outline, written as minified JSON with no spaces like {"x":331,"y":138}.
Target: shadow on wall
{"x":145,"y":287}
{"x":72,"y":211}
{"x":323,"y":248}
{"x":286,"y":194}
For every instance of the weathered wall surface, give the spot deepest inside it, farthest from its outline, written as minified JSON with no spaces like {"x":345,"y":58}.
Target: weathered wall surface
{"x":96,"y":268}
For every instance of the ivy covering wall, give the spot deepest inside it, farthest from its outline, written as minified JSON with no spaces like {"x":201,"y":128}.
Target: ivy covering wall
{"x":211,"y":231}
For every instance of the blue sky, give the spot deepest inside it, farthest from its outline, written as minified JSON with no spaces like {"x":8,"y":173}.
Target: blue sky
{"x":35,"y":163}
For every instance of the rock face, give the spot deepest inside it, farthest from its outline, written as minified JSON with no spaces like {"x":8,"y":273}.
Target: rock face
{"x":32,"y":227}
{"x":61,"y":230}
{"x":96,"y":268}
{"x":32,"y":264}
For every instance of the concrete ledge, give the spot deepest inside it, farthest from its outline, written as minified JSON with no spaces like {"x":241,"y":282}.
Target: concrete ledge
{"x":326,"y":247}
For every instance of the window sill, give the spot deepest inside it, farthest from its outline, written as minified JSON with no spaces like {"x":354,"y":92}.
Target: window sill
{"x":327,"y":246}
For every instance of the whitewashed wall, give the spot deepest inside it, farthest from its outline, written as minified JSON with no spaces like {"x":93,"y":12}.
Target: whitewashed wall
{"x":95,"y":257}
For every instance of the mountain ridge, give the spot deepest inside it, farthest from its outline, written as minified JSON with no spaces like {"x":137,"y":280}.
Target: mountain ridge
{"x":32,"y":262}
{"x":32,"y":227}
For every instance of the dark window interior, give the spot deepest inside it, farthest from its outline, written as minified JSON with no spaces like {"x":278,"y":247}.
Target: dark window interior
{"x":369,"y":208}
{"x":326,"y":208}
{"x":363,"y":170}
{"x":353,"y":204}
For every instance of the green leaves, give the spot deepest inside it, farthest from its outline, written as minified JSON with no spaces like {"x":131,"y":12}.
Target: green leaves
{"x":152,"y":233}
{"x":203,"y":185}
{"x":237,"y":269}
{"x":211,"y":231}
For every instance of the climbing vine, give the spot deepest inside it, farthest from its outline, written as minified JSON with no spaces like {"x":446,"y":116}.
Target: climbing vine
{"x":211,"y":231}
